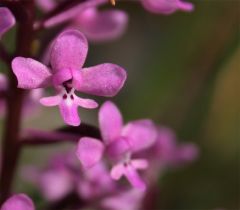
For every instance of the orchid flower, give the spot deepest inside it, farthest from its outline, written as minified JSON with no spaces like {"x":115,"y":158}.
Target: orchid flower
{"x":120,"y":143}
{"x":7,"y":20}
{"x":170,"y":153}
{"x":166,"y":154}
{"x":97,"y":25}
{"x":167,"y":7}
{"x":101,"y":26}
{"x":18,"y":202}
{"x":67,"y":56}
{"x":63,"y":175}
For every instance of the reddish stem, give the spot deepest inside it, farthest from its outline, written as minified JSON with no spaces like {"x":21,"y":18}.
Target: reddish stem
{"x":10,"y":148}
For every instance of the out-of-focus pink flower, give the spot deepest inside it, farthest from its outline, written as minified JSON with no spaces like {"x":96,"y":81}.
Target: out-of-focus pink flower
{"x":127,"y":200}
{"x":63,"y":175}
{"x":100,"y":26}
{"x":166,"y":153}
{"x":95,"y":182}
{"x":18,"y":202}
{"x":30,"y":101}
{"x":172,"y":154}
{"x":119,"y":143}
{"x":167,"y":6}
{"x":7,"y":20}
{"x":97,"y":25}
{"x":56,"y":180}
{"x":68,"y":54}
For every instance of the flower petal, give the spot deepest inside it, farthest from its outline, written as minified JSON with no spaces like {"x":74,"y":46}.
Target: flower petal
{"x":166,"y":7}
{"x":139,"y":163}
{"x":18,"y":202}
{"x":7,"y":20}
{"x":186,"y":153}
{"x":89,"y":151}
{"x":102,"y":80}
{"x":69,"y":51}
{"x":86,"y":103}
{"x":69,"y":112}
{"x":30,"y":73}
{"x":117,"y":171}
{"x":134,"y":178}
{"x":51,"y":101}
{"x":61,"y":76}
{"x":118,"y":147}
{"x":110,"y":122}
{"x":141,"y":134}
{"x":55,"y":183}
{"x":101,"y":25}
{"x":127,"y":200}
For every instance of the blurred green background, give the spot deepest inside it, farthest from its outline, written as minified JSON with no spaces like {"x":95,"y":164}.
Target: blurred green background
{"x":183,"y":72}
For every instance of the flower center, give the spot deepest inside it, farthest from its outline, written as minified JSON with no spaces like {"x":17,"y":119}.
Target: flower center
{"x":68,"y":95}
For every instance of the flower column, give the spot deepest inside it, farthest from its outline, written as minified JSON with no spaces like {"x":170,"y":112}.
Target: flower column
{"x":24,"y":13}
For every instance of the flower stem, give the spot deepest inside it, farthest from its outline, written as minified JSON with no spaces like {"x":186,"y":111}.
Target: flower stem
{"x":10,"y":148}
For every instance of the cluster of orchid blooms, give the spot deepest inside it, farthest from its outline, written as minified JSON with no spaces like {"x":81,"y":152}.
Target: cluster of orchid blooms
{"x":140,"y":151}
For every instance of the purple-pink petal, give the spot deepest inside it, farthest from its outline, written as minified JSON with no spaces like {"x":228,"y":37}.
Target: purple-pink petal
{"x":139,"y":163}
{"x":69,"y":112}
{"x":55,"y":184}
{"x":30,"y":73}
{"x":72,"y":12}
{"x":187,"y":153}
{"x":117,"y":148}
{"x":141,"y":134}
{"x":166,"y":6}
{"x":89,"y":151}
{"x":86,"y":103}
{"x":68,"y":51}
{"x":51,"y":100}
{"x":61,"y":76}
{"x":101,"y":80}
{"x":96,"y":182}
{"x":134,"y":178}
{"x":101,"y":25}
{"x":127,"y":200}
{"x":110,"y":122}
{"x":117,"y":171}
{"x":7,"y":20}
{"x":18,"y":202}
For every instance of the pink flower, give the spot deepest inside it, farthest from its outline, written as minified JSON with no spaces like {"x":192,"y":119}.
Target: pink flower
{"x":63,"y":175}
{"x":67,"y":56}
{"x":97,"y":25}
{"x":7,"y":20}
{"x":172,"y":154}
{"x":18,"y":202}
{"x":168,"y":153}
{"x":166,"y":6}
{"x":100,"y":26}
{"x":119,"y":143}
